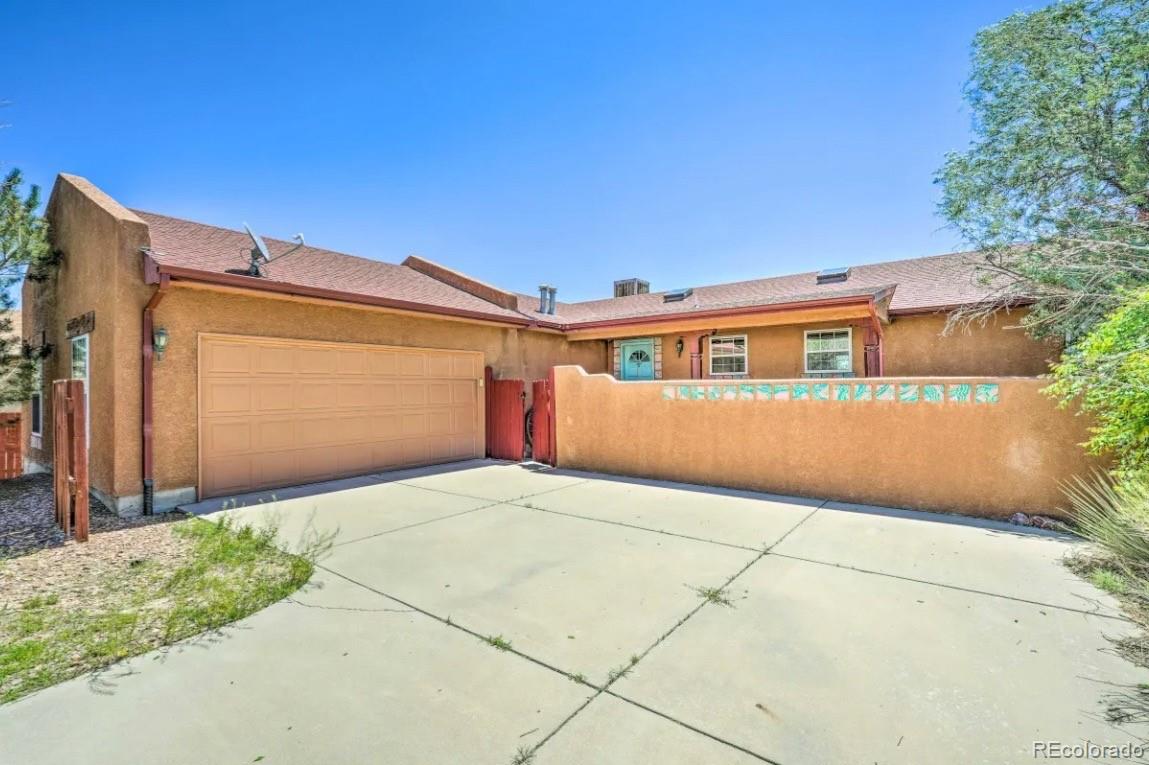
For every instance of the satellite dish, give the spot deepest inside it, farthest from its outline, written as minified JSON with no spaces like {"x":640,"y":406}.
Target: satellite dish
{"x":261,"y":255}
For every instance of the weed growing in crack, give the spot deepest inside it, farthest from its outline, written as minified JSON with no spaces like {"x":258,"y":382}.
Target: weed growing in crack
{"x":715,"y":595}
{"x":579,"y":678}
{"x":618,"y":673}
{"x":498,"y":641}
{"x":524,"y":756}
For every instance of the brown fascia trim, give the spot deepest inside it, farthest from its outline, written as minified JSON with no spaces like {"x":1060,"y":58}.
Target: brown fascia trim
{"x":461,"y":281}
{"x":926,"y":310}
{"x":154,"y":271}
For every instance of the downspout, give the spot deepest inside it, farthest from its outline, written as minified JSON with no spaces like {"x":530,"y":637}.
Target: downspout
{"x":696,"y":355}
{"x":877,"y":322}
{"x":147,"y":327}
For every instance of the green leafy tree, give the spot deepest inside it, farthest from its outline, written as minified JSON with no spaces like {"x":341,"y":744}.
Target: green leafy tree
{"x":23,"y":249}
{"x":1054,"y":188}
{"x":1108,"y":372}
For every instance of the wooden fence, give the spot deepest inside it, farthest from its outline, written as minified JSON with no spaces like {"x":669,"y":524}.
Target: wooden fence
{"x":11,"y":446}
{"x":70,"y":457}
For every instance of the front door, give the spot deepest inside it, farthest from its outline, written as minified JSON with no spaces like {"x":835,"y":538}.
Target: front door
{"x":637,"y":359}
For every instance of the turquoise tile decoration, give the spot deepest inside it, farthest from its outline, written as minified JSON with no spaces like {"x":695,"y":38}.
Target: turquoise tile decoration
{"x":801,"y":391}
{"x":746,"y":392}
{"x":765,"y":392}
{"x":933,"y":393}
{"x":781,"y":392}
{"x":729,"y":392}
{"x":668,"y":392}
{"x":714,"y":392}
{"x":884,"y":392}
{"x":960,"y":393}
{"x":684,"y":392}
{"x":697,"y":392}
{"x":821,"y":391}
{"x":987,"y":393}
{"x":863,"y":392}
{"x":908,"y":393}
{"x":841,"y":391}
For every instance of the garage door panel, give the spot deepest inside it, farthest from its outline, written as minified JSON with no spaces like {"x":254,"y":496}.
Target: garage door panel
{"x":464,"y":365}
{"x":274,"y":434}
{"x":413,"y":364}
{"x":316,"y":361}
{"x":225,"y":358}
{"x":227,"y":396}
{"x":274,"y":469}
{"x":316,"y":394}
{"x":438,"y":365}
{"x":271,"y":395}
{"x":413,"y":394}
{"x":273,"y":360}
{"x":353,"y":394}
{"x":228,"y":436}
{"x":278,"y":412}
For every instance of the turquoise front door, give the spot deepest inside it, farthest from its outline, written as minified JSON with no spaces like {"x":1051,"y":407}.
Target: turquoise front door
{"x":637,"y":359}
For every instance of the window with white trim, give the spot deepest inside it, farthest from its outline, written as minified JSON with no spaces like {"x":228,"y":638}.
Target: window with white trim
{"x":38,"y":398}
{"x":829,"y":351}
{"x":728,"y":355}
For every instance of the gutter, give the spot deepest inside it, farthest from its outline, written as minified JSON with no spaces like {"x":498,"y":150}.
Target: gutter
{"x":147,"y":325}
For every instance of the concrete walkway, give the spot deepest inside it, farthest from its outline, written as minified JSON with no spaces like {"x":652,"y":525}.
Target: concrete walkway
{"x":833,"y":634}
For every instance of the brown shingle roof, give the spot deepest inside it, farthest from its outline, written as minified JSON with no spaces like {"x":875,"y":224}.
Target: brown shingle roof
{"x":920,"y":283}
{"x":935,"y":282}
{"x":202,"y":247}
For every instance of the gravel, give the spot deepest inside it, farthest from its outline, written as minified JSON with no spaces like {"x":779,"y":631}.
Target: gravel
{"x":27,"y":520}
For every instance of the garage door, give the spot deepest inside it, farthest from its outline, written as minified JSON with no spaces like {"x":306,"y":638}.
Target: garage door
{"x":283,"y":412}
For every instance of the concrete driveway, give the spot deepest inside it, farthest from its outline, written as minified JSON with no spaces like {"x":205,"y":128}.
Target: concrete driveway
{"x":847,"y":635}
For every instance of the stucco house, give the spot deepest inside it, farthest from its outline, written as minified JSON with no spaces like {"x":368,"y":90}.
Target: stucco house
{"x":205,"y":380}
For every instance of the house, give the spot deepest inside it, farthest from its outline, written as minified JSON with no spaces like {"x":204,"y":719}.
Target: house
{"x":205,"y":379}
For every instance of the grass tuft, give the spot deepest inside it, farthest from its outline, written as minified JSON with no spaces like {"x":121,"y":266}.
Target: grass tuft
{"x":498,"y":641}
{"x":230,"y":572}
{"x":715,"y":595}
{"x":524,"y":756}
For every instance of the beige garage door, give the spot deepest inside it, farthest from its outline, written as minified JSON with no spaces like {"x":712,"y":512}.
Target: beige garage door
{"x":283,"y":412}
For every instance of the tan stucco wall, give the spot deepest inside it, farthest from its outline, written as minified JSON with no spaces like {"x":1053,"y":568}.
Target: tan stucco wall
{"x":986,"y":459}
{"x":101,"y":272}
{"x":187,"y":312}
{"x":914,"y":345}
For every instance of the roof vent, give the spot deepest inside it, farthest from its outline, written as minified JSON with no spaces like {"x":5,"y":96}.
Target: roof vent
{"x":833,"y":275}
{"x":628,"y":287}
{"x":677,"y":296}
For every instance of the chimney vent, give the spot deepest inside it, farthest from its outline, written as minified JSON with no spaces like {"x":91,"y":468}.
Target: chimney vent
{"x":544,"y":297}
{"x":551,"y":302}
{"x":628,"y":287}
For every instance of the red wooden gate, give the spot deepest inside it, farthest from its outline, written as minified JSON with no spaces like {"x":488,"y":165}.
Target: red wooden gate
{"x":543,"y":422}
{"x":11,"y":446}
{"x":70,"y":456}
{"x":505,"y":413}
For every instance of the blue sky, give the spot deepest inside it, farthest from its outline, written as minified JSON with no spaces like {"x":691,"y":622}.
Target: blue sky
{"x":573,"y":143}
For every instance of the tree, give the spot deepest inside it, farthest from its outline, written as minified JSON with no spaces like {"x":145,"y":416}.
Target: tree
{"x":1108,"y":372}
{"x":23,"y":249}
{"x":1054,"y":188}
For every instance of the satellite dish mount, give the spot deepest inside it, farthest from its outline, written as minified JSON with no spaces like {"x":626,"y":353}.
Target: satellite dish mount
{"x":261,"y":256}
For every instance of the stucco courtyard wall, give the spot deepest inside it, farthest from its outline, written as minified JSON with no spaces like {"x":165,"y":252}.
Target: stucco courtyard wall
{"x":980,"y":446}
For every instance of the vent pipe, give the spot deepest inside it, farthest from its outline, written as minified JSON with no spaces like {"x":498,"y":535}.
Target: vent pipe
{"x":551,"y":300}
{"x":544,"y":297}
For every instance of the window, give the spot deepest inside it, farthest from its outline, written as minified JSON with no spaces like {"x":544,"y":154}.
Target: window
{"x":37,"y":398}
{"x":82,"y":371}
{"x":728,"y":355}
{"x":829,"y":352}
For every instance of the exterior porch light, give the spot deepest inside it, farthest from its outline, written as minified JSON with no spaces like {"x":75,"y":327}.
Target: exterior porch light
{"x":679,"y":346}
{"x":160,"y":342}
